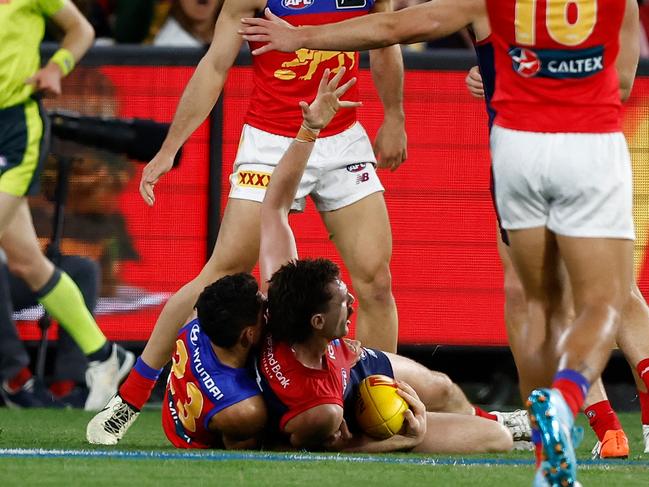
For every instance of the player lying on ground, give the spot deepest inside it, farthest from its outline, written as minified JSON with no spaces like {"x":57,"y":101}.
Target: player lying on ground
{"x":562,"y":175}
{"x":306,"y":371}
{"x":633,"y":333}
{"x":212,"y":400}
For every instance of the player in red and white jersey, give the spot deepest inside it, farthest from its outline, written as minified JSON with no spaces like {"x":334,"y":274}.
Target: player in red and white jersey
{"x":561,"y":167}
{"x":341,"y":177}
{"x":306,"y":370}
{"x":633,"y":333}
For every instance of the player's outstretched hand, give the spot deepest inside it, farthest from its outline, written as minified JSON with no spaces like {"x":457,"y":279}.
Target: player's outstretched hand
{"x":474,"y":83}
{"x":47,"y":80}
{"x":327,"y":102}
{"x":160,"y":165}
{"x":278,"y":34}
{"x":415,"y":418}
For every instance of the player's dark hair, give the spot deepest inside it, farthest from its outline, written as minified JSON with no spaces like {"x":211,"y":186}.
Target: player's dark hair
{"x":227,"y":306}
{"x":296,"y":292}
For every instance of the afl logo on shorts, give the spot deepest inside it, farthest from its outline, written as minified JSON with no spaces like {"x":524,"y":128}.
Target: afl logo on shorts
{"x":525,"y":62}
{"x":358,"y":167}
{"x":297,"y":4}
{"x":3,"y":162}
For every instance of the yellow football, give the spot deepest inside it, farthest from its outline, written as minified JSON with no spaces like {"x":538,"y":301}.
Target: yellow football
{"x":379,"y":408}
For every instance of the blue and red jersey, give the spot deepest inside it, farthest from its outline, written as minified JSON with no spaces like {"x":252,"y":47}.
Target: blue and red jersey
{"x":282,"y":79}
{"x":200,"y":386}
{"x":556,"y":64}
{"x":291,"y":388}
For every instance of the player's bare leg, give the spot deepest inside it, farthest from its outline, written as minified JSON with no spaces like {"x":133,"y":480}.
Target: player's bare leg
{"x":24,"y":256}
{"x":612,"y":441}
{"x":236,"y":250}
{"x":456,"y":433}
{"x":601,"y":273}
{"x":9,"y":205}
{"x":435,"y":389}
{"x":365,"y":245}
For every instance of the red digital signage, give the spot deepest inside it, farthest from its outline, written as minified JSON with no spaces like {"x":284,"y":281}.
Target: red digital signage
{"x":447,"y":279}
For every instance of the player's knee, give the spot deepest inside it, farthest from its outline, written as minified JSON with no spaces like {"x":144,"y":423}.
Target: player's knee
{"x":375,"y":285}
{"x":441,"y":391}
{"x":28,"y":270}
{"x":514,"y":293}
{"x":499,"y":439}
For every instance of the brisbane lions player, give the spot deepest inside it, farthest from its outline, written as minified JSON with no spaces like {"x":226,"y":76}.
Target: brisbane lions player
{"x":561,"y":167}
{"x":633,"y":332}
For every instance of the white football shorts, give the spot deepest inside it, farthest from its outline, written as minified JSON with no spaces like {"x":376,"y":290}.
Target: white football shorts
{"x":575,"y":184}
{"x":340,"y":171}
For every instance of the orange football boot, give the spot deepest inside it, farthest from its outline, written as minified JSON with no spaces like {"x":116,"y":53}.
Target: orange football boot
{"x":614,"y":445}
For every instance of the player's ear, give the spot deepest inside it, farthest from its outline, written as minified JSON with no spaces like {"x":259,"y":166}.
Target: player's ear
{"x":247,"y":338}
{"x":318,"y":321}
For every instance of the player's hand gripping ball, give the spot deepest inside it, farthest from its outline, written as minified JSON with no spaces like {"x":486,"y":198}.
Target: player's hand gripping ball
{"x":379,"y":408}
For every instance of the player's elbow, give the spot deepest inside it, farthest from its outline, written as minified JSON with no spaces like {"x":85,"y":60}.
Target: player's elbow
{"x":84,"y":32}
{"x":314,"y":427}
{"x":625,"y":92}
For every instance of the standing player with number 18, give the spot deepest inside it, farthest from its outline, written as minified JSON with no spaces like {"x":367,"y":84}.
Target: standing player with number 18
{"x":561,"y":165}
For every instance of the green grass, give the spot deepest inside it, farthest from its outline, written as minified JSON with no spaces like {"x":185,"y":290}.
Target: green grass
{"x":65,"y":430}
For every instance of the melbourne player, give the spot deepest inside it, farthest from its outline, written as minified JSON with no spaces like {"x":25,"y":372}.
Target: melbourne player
{"x":212,"y":400}
{"x":561,"y":167}
{"x":305,"y":368}
{"x":632,"y":334}
{"x":352,"y":207}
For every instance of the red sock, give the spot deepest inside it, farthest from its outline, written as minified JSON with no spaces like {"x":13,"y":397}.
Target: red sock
{"x":572,"y":393}
{"x":643,"y":371}
{"x":62,"y":388}
{"x":602,"y":418}
{"x":19,"y":380}
{"x":644,"y":406}
{"x":538,"y":454}
{"x":484,"y":414}
{"x":136,"y":389}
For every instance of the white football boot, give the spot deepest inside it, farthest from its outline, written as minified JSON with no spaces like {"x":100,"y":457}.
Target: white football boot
{"x":517,"y":422}
{"x":110,"y":424}
{"x":645,"y":435}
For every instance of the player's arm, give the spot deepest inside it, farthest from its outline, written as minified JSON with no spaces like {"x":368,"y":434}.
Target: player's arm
{"x":277,"y":244}
{"x":202,"y":91}
{"x":242,"y":424}
{"x":78,"y":36}
{"x":431,"y":20}
{"x":386,"y":64}
{"x":412,"y":434}
{"x":627,"y":59}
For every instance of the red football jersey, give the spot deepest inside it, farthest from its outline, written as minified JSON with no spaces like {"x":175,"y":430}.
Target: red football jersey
{"x":290,"y":388}
{"x":555,"y":61}
{"x":282,"y":80}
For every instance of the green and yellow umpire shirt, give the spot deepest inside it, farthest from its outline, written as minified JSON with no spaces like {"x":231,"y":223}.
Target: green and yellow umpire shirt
{"x":22,"y":26}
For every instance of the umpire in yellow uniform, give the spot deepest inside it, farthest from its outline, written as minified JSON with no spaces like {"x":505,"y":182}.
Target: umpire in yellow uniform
{"x":22,"y":129}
